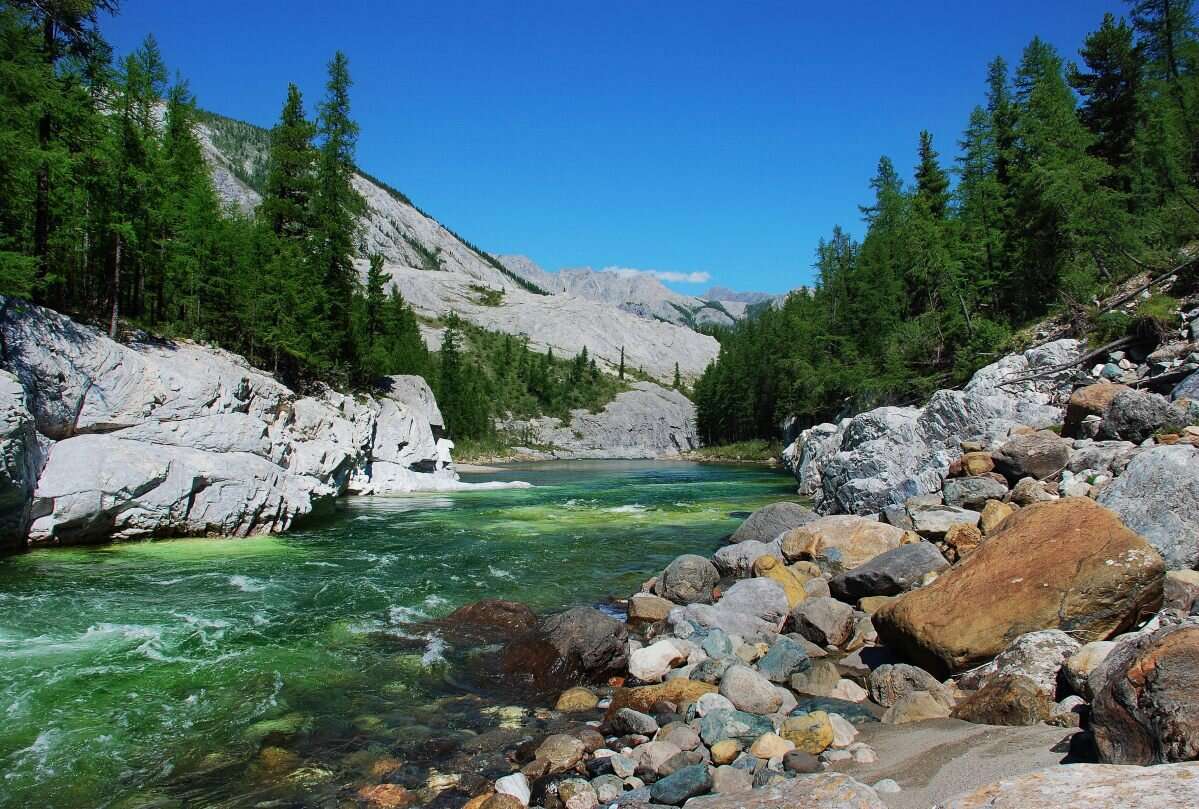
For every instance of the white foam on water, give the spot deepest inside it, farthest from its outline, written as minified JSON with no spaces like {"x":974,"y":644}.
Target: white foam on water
{"x":246,"y":584}
{"x":500,"y":573}
{"x":631,"y":508}
{"x":434,"y":651}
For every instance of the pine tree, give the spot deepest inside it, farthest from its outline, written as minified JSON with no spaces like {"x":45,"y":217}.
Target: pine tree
{"x":335,"y":211}
{"x":932,"y":183}
{"x":678,"y":380}
{"x":291,"y":166}
{"x":1110,"y":90}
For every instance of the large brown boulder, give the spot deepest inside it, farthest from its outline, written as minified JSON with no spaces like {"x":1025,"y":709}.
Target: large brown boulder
{"x":1093,"y":400}
{"x":1009,"y":699}
{"x":1067,"y":564}
{"x":841,"y":542}
{"x":680,"y":692}
{"x":579,"y":645}
{"x":1148,"y":710}
{"x":492,"y":617}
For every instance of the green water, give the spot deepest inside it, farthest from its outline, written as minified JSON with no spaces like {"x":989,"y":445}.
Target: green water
{"x":142,"y":674}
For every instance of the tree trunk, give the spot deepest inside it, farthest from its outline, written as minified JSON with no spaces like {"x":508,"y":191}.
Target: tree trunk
{"x":116,"y":291}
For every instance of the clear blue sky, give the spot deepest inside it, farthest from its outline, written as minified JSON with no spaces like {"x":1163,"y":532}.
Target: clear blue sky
{"x":722,"y":138}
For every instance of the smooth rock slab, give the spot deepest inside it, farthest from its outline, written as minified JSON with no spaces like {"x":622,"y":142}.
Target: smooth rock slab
{"x":1094,"y":786}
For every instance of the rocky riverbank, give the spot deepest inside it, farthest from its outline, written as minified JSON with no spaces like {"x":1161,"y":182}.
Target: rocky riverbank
{"x":1009,"y":611}
{"x":107,"y":440}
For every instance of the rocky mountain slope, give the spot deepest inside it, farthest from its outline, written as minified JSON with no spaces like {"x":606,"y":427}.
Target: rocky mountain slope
{"x":439,"y":272}
{"x":107,"y":440}
{"x":649,"y":421}
{"x":633,"y":291}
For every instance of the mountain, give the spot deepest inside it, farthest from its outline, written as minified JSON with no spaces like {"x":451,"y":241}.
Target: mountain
{"x":439,"y":272}
{"x":639,"y":293}
{"x":726,"y":294}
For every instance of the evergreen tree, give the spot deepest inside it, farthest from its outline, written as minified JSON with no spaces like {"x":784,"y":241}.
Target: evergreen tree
{"x":620,"y":373}
{"x":291,"y":171}
{"x":678,"y":380}
{"x":1110,"y":88}
{"x":336,"y":207}
{"x":932,"y":183}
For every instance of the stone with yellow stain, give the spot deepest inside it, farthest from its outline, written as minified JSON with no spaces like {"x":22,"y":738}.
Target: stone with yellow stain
{"x":792,"y":584}
{"x":810,"y":732}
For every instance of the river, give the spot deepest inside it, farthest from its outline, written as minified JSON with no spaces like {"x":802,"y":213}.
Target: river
{"x":281,"y":670}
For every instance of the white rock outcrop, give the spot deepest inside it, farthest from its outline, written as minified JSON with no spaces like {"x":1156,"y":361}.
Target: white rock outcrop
{"x":889,"y":454}
{"x":649,"y":421}
{"x":106,"y":440}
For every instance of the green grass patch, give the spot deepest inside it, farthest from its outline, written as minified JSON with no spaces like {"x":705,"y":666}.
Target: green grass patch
{"x":753,"y":451}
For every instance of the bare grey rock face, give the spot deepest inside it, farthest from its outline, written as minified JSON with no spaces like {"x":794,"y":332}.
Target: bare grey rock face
{"x":20,"y":461}
{"x":887,"y":455}
{"x":1095,"y":786}
{"x":649,"y":421}
{"x":157,"y":438}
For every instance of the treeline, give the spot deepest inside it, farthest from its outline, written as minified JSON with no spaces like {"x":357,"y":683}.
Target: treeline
{"x":1071,"y":178}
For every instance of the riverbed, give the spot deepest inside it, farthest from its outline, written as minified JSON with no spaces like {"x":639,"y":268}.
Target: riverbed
{"x":237,"y":672}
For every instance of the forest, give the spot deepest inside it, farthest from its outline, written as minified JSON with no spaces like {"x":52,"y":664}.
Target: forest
{"x":108,"y":213}
{"x":1072,"y":176}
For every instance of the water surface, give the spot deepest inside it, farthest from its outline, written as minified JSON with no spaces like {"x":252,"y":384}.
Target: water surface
{"x":278,"y":671}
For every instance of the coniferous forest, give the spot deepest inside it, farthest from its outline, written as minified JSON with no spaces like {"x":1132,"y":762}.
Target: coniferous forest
{"x":1074,"y":174}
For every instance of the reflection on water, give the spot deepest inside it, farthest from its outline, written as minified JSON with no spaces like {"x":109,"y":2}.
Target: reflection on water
{"x":238,"y":672}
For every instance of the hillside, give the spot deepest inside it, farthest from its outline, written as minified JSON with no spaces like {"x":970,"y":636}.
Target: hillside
{"x":439,"y":272}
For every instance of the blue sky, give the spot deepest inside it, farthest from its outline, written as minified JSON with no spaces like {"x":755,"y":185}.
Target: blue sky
{"x":694,"y":137}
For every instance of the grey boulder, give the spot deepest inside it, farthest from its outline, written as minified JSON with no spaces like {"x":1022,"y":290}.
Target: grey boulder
{"x":689,"y":579}
{"x":1158,"y":497}
{"x":889,"y":573}
{"x":973,"y":492}
{"x":769,"y":522}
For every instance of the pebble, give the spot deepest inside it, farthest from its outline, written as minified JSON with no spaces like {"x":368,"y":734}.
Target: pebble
{"x":886,"y":786}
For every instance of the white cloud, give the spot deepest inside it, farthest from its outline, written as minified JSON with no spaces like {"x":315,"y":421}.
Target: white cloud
{"x":664,"y":275}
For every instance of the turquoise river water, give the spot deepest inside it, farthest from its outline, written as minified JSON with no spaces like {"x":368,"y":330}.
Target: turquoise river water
{"x":277,"y":671}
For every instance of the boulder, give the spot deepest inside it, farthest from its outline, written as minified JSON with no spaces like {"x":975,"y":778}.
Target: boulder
{"x":727,"y":780}
{"x":855,"y":712}
{"x":824,"y":621}
{"x":889,"y":573}
{"x":961,"y":540}
{"x":739,"y":726}
{"x":738,"y":560}
{"x":819,"y":680}
{"x":785,"y":659}
{"x":689,"y":579}
{"x":770,"y":745}
{"x":1070,"y":564}
{"x":491,"y":617}
{"x":1039,"y":656}
{"x":769,"y":522}
{"x":749,"y":691}
{"x":825,"y":790}
{"x":934,"y":521}
{"x":977,"y":462}
{"x":1135,"y":415}
{"x":809,"y":732}
{"x":1008,"y":699}
{"x":973,"y":492}
{"x":754,"y":609}
{"x":581,"y":643}
{"x":1092,"y":400}
{"x":1037,"y":455}
{"x":1094,"y":786}
{"x":676,"y":788}
{"x":891,"y":682}
{"x":1079,"y":666}
{"x":626,"y":721}
{"x":654,"y":757}
{"x":576,"y":793}
{"x":678,"y":692}
{"x":1187,"y":388}
{"x":799,"y":761}
{"x":1147,"y":711}
{"x":1030,"y":490}
{"x":1102,"y":457}
{"x":646,"y":608}
{"x":792,"y":583}
{"x":559,"y":752}
{"x":916,"y":706}
{"x":840,"y":542}
{"x":1181,"y":590}
{"x":725,"y":752}
{"x":516,"y":785}
{"x":576,"y":700}
{"x":993,"y":515}
{"x":1158,"y":497}
{"x":650,"y":664}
